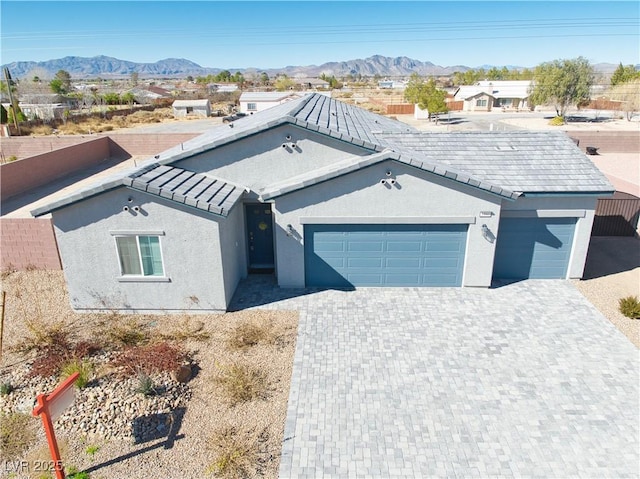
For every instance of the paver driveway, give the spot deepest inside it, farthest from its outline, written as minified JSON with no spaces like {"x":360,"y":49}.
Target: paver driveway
{"x":526,"y":380}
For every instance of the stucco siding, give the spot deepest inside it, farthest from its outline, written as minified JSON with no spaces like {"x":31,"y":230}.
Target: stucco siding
{"x":190,"y":248}
{"x":233,"y":248}
{"x":580,"y":207}
{"x":257,"y":164}
{"x":417,"y":196}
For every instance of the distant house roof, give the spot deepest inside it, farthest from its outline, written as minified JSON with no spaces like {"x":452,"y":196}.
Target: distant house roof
{"x":269,"y":96}
{"x":507,"y":164}
{"x":496,"y":89}
{"x":314,"y":82}
{"x":159,"y":91}
{"x":223,"y":87}
{"x":192,"y":103}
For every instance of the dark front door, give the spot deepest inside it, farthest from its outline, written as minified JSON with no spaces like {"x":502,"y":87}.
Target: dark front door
{"x":260,"y":231}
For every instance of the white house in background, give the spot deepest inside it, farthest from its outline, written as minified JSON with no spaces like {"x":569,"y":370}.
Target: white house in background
{"x":392,"y":84}
{"x":255,"y":101}
{"x":184,"y":108}
{"x":486,"y":95}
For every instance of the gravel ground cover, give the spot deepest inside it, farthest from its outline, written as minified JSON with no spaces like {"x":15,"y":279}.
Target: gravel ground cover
{"x":185,"y":429}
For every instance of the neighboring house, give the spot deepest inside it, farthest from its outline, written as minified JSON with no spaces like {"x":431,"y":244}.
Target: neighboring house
{"x":222,"y":87}
{"x":150,"y":94}
{"x":392,"y":84}
{"x":255,"y":101}
{"x":312,"y":83}
{"x":184,"y":108}
{"x":486,"y":95}
{"x":325,"y":194}
{"x":41,"y":111}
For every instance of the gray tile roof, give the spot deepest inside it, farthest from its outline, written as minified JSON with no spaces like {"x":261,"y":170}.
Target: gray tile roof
{"x":505,"y":163}
{"x":193,"y":189}
{"x":198,"y":190}
{"x":520,"y":161}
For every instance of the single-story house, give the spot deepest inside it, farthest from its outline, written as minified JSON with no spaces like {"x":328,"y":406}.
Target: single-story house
{"x":312,"y":83}
{"x":486,"y":95}
{"x":183,"y":108}
{"x":326,"y":194}
{"x":254,"y":101}
{"x":392,"y":84}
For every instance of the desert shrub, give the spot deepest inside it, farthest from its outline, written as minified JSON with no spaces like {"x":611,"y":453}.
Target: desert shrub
{"x":51,"y":360}
{"x":241,"y":382}
{"x":249,"y":333}
{"x":82,"y":367}
{"x":120,"y":332}
{"x":17,"y":434}
{"x":235,"y":452}
{"x":186,"y":330}
{"x":6,"y":388}
{"x":43,"y":336}
{"x":152,"y":358}
{"x":630,"y":307}
{"x":557,"y":121}
{"x":41,"y":130}
{"x":145,"y":385}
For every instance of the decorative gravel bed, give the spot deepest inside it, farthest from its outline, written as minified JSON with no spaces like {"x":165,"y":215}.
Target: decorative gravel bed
{"x":114,"y":431}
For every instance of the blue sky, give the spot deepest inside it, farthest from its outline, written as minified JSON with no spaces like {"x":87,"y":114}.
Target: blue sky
{"x":242,"y":34}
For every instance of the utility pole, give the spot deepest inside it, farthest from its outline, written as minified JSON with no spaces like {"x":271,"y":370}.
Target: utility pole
{"x":12,"y":100}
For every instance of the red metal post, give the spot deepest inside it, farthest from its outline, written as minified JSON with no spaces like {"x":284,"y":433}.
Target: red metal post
{"x":42,"y":410}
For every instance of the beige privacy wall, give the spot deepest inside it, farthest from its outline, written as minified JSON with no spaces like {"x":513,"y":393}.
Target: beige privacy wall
{"x":28,"y":243}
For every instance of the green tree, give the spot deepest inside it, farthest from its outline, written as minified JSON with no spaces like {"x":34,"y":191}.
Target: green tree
{"x":128,"y":98}
{"x":562,"y":83}
{"x":283,"y":83}
{"x":264,"y":78}
{"x":111,"y":98}
{"x":61,"y":82}
{"x":413,"y":90}
{"x":426,"y":95}
{"x":624,"y":74}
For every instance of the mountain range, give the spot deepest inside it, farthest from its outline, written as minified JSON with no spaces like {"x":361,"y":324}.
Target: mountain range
{"x":109,"y":67}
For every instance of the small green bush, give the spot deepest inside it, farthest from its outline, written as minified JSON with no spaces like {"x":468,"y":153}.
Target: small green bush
{"x":557,"y":121}
{"x":83,"y":368}
{"x":6,"y":388}
{"x":630,"y":307}
{"x":145,"y":385}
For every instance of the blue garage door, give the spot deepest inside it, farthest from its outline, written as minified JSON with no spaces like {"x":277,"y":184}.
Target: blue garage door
{"x":384,"y":255}
{"x":537,"y":248}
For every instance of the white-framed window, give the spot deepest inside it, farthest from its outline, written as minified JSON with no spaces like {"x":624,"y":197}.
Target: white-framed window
{"x":139,"y":255}
{"x":481,"y":102}
{"x":252,"y":106}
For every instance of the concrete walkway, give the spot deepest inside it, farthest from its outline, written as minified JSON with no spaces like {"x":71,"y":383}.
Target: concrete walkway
{"x":526,"y":380}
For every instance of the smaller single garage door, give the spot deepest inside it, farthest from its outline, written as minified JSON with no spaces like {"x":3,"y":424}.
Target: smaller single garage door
{"x":384,"y":255}
{"x":536,"y":248}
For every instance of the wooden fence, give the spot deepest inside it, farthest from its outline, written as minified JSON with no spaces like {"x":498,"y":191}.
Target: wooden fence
{"x":617,"y":216}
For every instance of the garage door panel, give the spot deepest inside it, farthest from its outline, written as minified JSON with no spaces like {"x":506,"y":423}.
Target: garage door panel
{"x":385,"y":255}
{"x":413,"y":263}
{"x":329,"y":246}
{"x":404,"y":246}
{"x":536,"y":248}
{"x":364,"y":262}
